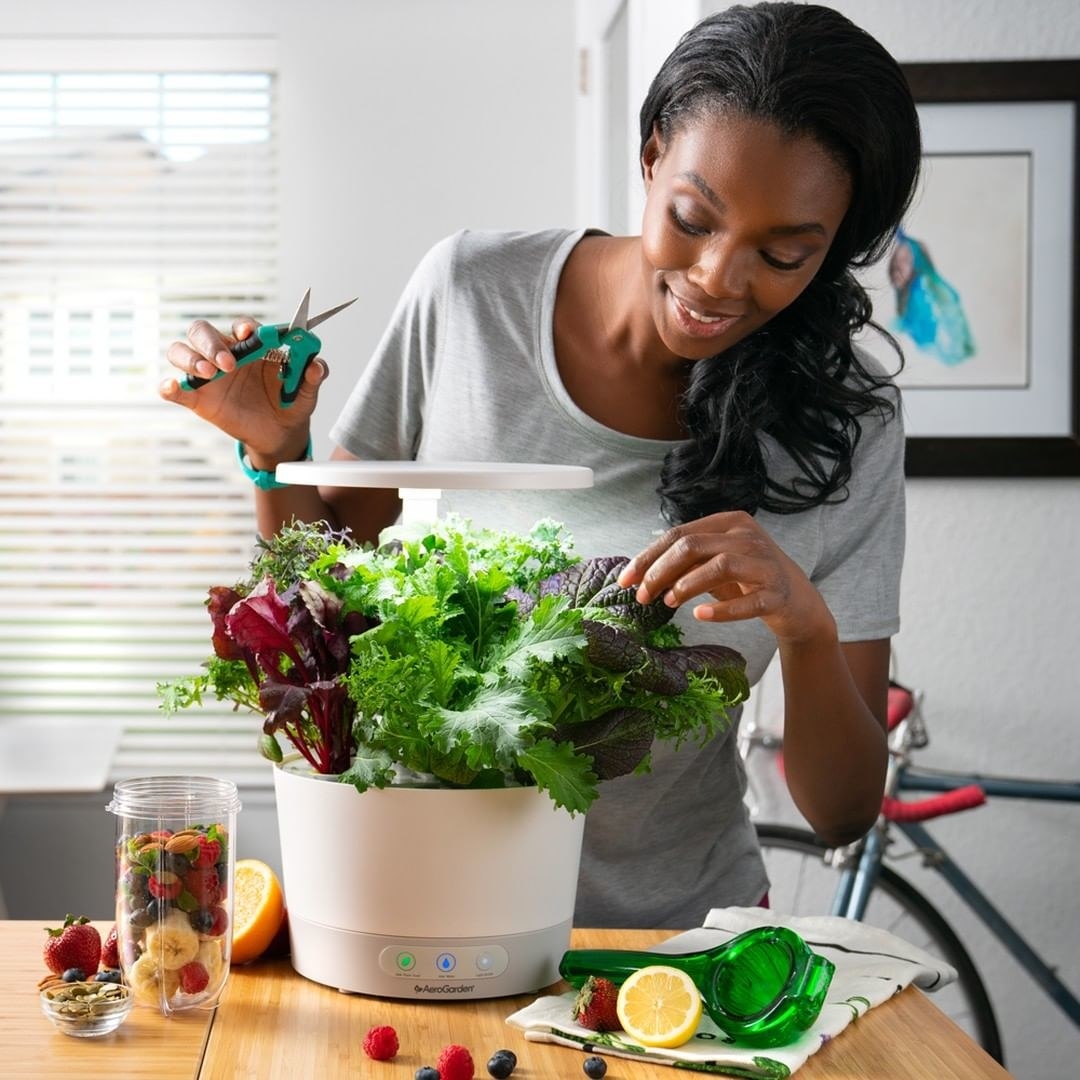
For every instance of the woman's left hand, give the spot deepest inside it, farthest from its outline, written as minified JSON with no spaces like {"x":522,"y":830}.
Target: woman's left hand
{"x":731,"y":558}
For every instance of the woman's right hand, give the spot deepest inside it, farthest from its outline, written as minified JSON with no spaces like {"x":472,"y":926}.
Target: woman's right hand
{"x":245,"y":402}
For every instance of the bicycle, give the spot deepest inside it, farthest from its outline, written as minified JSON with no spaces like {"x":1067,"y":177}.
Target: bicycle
{"x":810,"y":878}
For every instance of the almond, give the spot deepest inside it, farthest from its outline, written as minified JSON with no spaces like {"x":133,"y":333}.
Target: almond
{"x":182,"y":843}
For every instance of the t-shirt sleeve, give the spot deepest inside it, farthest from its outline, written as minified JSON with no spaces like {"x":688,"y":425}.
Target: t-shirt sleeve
{"x":858,"y":572}
{"x":382,"y":419}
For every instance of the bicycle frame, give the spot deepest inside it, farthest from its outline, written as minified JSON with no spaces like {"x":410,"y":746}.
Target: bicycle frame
{"x":859,"y":864}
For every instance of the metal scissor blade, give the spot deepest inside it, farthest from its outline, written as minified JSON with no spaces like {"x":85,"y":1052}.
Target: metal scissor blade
{"x":300,"y":319}
{"x":324,"y":315}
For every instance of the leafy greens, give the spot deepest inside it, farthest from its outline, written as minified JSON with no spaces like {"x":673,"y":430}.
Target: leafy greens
{"x":475,"y":656}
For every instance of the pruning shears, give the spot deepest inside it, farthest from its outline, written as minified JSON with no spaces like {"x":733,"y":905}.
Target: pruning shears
{"x":292,"y":346}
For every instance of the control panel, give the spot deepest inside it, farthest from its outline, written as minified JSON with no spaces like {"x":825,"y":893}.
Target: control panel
{"x":443,"y":962}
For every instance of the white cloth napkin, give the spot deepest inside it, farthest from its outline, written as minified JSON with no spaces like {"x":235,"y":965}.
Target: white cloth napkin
{"x":872,"y":966}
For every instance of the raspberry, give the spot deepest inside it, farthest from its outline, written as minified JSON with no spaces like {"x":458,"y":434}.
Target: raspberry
{"x":381,"y":1043}
{"x":193,"y":978}
{"x":204,"y":886}
{"x":209,"y":852}
{"x":455,"y":1063}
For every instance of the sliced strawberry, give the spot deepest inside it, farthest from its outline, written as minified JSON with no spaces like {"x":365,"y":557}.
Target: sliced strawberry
{"x":165,"y":885}
{"x":110,"y":951}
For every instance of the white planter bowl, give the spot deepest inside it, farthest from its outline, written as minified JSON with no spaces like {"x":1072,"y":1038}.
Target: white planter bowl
{"x":414,"y":892}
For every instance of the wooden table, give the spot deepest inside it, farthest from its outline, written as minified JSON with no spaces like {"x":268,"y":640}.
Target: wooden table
{"x":274,"y":1025}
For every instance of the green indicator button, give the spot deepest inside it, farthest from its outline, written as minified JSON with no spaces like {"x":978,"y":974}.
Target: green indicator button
{"x":406,"y":961}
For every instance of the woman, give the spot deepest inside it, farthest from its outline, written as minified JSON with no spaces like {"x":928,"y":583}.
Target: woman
{"x":743,"y":452}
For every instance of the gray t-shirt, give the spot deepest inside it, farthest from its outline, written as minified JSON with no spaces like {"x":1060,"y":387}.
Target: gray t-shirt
{"x":466,"y":371}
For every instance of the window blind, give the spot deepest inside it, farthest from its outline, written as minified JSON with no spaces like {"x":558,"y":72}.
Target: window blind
{"x":131,"y":203}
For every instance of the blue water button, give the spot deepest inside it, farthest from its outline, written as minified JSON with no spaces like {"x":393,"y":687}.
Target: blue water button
{"x":446,"y":961}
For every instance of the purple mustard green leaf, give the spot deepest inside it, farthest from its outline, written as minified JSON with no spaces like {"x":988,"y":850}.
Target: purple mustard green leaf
{"x":614,"y":648}
{"x":624,"y":605}
{"x":722,"y":663}
{"x":585,"y":579}
{"x":618,"y":741}
{"x":525,"y":601}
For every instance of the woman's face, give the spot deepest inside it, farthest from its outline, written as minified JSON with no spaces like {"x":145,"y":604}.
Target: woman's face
{"x":738,"y":218}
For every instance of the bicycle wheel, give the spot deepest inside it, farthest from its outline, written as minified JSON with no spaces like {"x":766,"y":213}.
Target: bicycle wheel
{"x":803,"y":883}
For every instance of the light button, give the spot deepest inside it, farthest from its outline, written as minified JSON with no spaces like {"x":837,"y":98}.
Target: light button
{"x":484,"y":962}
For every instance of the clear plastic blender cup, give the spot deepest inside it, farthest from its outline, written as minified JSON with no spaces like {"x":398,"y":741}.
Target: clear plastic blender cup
{"x":175,"y":860}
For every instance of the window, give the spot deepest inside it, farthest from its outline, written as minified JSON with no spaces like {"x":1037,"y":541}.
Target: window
{"x":132,"y":201}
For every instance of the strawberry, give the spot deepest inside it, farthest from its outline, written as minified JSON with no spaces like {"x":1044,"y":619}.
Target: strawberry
{"x":381,"y":1043}
{"x":165,"y":885}
{"x":110,"y":951}
{"x":594,"y":1006}
{"x":455,"y":1063}
{"x":76,"y":944}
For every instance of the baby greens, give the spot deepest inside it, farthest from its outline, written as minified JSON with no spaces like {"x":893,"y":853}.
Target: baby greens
{"x":473,"y":656}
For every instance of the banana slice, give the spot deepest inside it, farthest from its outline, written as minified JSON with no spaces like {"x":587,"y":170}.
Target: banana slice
{"x":151,"y":984}
{"x":210,"y":957}
{"x":172,"y":941}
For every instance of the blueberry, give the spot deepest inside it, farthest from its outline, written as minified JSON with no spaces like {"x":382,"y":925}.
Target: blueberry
{"x":135,"y":888}
{"x":594,"y":1067}
{"x":501,"y":1064}
{"x":178,"y":864}
{"x":201,"y":920}
{"x":426,"y":1072}
{"x":109,"y":975}
{"x":74,"y":975}
{"x":141,"y":918}
{"x":157,"y":909}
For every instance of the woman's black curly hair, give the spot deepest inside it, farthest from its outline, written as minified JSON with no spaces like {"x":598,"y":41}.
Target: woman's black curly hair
{"x":810,"y":72}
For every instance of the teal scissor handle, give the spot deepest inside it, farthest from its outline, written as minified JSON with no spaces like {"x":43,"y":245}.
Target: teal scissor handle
{"x":763,"y":987}
{"x":294,"y":347}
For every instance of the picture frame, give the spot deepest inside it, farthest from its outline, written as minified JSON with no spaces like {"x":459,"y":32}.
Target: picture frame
{"x":1011,"y":128}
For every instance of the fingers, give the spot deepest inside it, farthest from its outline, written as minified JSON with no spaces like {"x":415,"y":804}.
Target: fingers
{"x":206,"y":352}
{"x":679,"y":550}
{"x":755,"y":604}
{"x":193,"y":361}
{"x":244,"y":326}
{"x":169,"y":390}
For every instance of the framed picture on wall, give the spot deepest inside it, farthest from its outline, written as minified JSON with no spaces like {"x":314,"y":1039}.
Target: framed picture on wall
{"x":980,"y":285}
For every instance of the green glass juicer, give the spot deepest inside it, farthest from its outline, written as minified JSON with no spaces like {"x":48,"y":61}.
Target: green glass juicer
{"x":764,"y":987}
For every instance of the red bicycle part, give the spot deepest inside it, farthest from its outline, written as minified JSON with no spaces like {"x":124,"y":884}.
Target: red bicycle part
{"x":951,"y":802}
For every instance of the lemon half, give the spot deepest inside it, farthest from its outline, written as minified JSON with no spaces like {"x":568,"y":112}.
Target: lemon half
{"x":258,"y":908}
{"x":659,"y":1006}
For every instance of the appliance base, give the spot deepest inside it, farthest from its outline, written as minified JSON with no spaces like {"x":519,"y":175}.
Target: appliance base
{"x":435,"y":968}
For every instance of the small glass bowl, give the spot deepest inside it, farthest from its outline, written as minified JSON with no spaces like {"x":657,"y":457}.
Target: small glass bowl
{"x":86,"y":1009}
